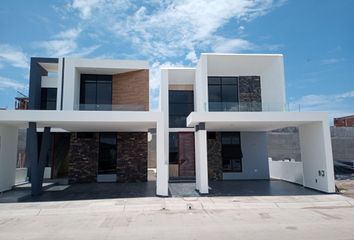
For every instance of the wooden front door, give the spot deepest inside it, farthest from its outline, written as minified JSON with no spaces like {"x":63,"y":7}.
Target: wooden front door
{"x":186,"y":154}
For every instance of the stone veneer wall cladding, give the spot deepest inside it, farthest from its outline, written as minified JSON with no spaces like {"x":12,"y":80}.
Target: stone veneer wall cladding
{"x":132,"y":157}
{"x":131,"y":88}
{"x":83,"y":159}
{"x":250,"y":93}
{"x":214,"y":158}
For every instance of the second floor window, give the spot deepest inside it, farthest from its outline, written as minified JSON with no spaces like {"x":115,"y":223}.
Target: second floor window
{"x":234,"y":94}
{"x":181,"y":104}
{"x":95,"y":92}
{"x":48,"y":98}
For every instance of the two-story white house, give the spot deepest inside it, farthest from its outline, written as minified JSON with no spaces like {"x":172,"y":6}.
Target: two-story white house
{"x":90,"y":119}
{"x":217,"y":116}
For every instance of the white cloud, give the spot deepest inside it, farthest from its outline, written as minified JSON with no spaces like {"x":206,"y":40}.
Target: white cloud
{"x":335,"y":104}
{"x":7,"y":83}
{"x":330,"y":61}
{"x":162,"y":29}
{"x":319,"y":100}
{"x":192,"y":57}
{"x":85,"y":7}
{"x":232,"y":45}
{"x":65,"y":43}
{"x":13,"y":56}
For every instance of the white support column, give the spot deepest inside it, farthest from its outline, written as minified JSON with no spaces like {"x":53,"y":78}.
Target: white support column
{"x":316,"y":155}
{"x":161,"y":159}
{"x":8,"y":157}
{"x":201,"y":161}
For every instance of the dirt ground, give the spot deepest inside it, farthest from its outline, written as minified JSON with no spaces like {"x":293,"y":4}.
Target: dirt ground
{"x":346,"y":187}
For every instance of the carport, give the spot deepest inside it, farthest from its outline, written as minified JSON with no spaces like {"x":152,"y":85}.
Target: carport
{"x":315,"y":143}
{"x":71,"y":121}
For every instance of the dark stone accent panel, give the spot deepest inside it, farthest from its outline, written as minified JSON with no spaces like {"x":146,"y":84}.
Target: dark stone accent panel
{"x":214,"y":158}
{"x":250,"y":93}
{"x":83,"y":158}
{"x":132,"y":157}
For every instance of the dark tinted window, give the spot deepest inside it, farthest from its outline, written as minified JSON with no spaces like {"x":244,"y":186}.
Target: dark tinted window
{"x":214,"y":93}
{"x":180,"y":106}
{"x":96,"y":92}
{"x":173,"y":147}
{"x":223,"y":93}
{"x":107,"y":161}
{"x":229,"y":93}
{"x":231,"y":152}
{"x":48,"y":98}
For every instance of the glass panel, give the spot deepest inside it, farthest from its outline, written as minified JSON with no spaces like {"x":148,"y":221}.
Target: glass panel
{"x":51,"y":94}
{"x":96,"y":92}
{"x":181,"y":96}
{"x":180,"y":106}
{"x":177,"y":122}
{"x":214,"y":93}
{"x":173,"y":148}
{"x":229,"y":93}
{"x":89,"y":93}
{"x":107,"y":153}
{"x":180,"y":109}
{"x":231,"y":152}
{"x":214,"y":80}
{"x":48,"y":99}
{"x":104,"y":93}
{"x":51,"y":105}
{"x":229,"y":80}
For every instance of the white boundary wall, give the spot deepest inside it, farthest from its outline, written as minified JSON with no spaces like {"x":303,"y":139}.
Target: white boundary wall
{"x":8,"y":157}
{"x":288,"y":171}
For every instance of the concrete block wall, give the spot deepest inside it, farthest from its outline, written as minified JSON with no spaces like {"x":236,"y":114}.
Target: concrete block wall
{"x":285,"y":143}
{"x":342,"y":143}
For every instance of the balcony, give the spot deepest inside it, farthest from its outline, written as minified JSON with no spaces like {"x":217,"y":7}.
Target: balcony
{"x":252,"y":107}
{"x":109,"y":107}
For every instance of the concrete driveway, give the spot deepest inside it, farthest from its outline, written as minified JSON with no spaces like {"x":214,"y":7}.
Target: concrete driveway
{"x":267,"y":217}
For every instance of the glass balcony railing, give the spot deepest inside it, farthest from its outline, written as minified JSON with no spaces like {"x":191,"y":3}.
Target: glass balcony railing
{"x":252,"y":107}
{"x":109,"y":107}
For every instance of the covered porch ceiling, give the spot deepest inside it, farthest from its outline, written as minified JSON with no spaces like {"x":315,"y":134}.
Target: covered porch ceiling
{"x":253,"y":121}
{"x":83,"y":121}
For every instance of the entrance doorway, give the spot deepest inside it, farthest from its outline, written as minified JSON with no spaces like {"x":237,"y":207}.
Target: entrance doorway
{"x":107,"y":158}
{"x":182,"y":163}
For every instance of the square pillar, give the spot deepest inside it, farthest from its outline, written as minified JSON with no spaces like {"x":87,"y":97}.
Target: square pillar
{"x":8,"y":157}
{"x":316,"y":155}
{"x":161,"y":159}
{"x":201,"y":159}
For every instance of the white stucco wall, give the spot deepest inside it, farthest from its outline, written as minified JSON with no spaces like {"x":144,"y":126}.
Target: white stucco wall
{"x":8,"y":156}
{"x":288,"y":171}
{"x":255,"y":157}
{"x":21,"y":175}
{"x":201,"y":85}
{"x":316,"y":156}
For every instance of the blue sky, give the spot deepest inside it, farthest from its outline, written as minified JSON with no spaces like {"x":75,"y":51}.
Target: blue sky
{"x":316,"y":38}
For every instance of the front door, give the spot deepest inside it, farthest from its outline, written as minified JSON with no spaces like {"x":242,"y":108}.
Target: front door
{"x":107,"y":159}
{"x":182,"y":163}
{"x":186,"y":154}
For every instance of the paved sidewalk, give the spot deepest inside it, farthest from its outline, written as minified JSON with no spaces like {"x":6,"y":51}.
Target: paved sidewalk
{"x":269,"y":217}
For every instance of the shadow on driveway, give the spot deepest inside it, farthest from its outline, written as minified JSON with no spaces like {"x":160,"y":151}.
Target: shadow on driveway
{"x":90,"y":191}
